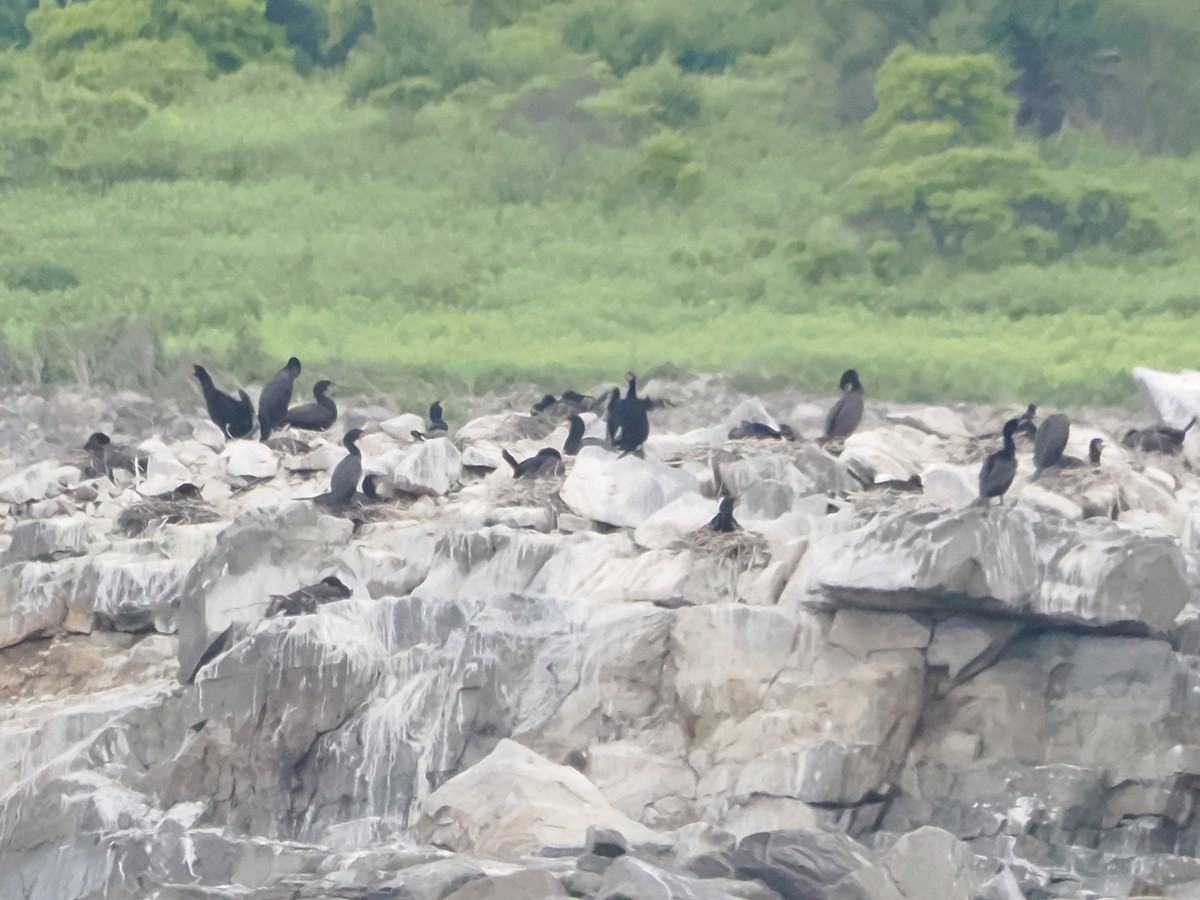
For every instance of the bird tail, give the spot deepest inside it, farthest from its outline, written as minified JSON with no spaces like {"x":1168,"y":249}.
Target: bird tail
{"x":508,"y":458}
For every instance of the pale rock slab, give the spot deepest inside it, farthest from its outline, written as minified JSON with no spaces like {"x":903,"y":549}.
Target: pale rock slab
{"x":672,"y":523}
{"x":965,"y":642}
{"x":46,"y":540}
{"x":1173,"y":396}
{"x":402,"y":426}
{"x":514,"y":802}
{"x":940,"y":421}
{"x":862,"y":632}
{"x":249,"y":459}
{"x":209,"y":435}
{"x":430,"y":468}
{"x":48,"y":478}
{"x":928,"y":862}
{"x":622,"y":491}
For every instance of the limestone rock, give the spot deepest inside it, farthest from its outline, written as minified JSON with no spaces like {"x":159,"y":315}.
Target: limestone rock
{"x":249,"y":459}
{"x":1174,"y":397}
{"x":402,"y":426}
{"x":684,"y":515}
{"x":430,"y":468}
{"x":928,"y":862}
{"x":862,"y":632}
{"x":46,"y":540}
{"x":514,"y":802}
{"x":939,"y":421}
{"x":998,"y":560}
{"x":622,"y":491}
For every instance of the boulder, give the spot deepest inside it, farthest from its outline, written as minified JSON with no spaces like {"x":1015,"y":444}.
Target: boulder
{"x":514,"y":802}
{"x":998,"y":561}
{"x":681,"y":517}
{"x":46,"y":540}
{"x":622,"y":491}
{"x":430,"y":468}
{"x":402,"y":426}
{"x":928,"y":862}
{"x":248,"y":459}
{"x":1173,"y":397}
{"x":939,"y":421}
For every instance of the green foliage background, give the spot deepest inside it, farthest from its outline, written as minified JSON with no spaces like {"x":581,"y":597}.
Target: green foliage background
{"x":966,"y":199}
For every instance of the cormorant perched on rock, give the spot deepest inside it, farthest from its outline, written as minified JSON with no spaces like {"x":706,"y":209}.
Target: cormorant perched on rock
{"x":186,"y":491}
{"x":343,"y":484}
{"x":107,"y":457}
{"x":634,"y":424}
{"x":760,"y":431}
{"x":848,"y":411}
{"x":436,"y":422}
{"x":307,"y":599}
{"x":1025,"y":424}
{"x":314,"y":416}
{"x":1049,"y":442}
{"x":1095,"y":448}
{"x":999,"y":469}
{"x":1160,"y":439}
{"x":544,"y":404}
{"x":233,"y":415}
{"x":724,"y":521}
{"x":275,"y":397}
{"x":574,"y":436}
{"x":544,"y":463}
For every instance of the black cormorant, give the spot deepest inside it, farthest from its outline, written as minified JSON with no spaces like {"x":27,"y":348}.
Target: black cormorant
{"x":1095,"y":448}
{"x":575,"y":436}
{"x":307,"y":599}
{"x":912,"y":485}
{"x":544,"y":404}
{"x":1160,"y":439}
{"x":724,"y":520}
{"x":182,"y":506}
{"x":107,"y":457}
{"x":1049,"y":442}
{"x":343,"y":484}
{"x":436,"y":422}
{"x":314,"y":416}
{"x":1025,"y":425}
{"x":612,"y":415}
{"x":747,"y":429}
{"x":848,"y":411}
{"x":275,"y":397}
{"x":634,"y":424}
{"x":233,"y":415}
{"x":544,"y":463}
{"x":999,"y":469}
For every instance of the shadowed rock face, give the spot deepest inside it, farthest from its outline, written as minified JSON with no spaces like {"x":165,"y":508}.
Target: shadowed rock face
{"x":859,"y":694}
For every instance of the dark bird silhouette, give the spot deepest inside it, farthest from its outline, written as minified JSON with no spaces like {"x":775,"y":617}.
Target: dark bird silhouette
{"x":1159,"y":439}
{"x":314,"y":416}
{"x":1049,"y":442}
{"x":436,"y":422}
{"x":1025,"y":424}
{"x":848,"y":411}
{"x":233,"y":415}
{"x":308,"y":599}
{"x":998,"y":470}
{"x":634,"y":423}
{"x":106,"y":457}
{"x":544,"y":463}
{"x":370,"y":488}
{"x":1095,"y":448}
{"x":747,"y":430}
{"x":343,"y":484}
{"x":220,"y":644}
{"x":275,"y":397}
{"x":544,"y":404}
{"x":724,"y":521}
{"x":574,"y":436}
{"x":612,"y":415}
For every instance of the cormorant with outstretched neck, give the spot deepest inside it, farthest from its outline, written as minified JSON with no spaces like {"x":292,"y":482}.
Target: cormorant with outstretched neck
{"x":107,"y":457}
{"x":999,"y":469}
{"x":233,"y":415}
{"x":724,"y":521}
{"x":634,"y":424}
{"x":1049,"y":442}
{"x":848,"y":411}
{"x":436,"y":422}
{"x":308,"y":599}
{"x":275,"y":397}
{"x":343,"y":484}
{"x":314,"y":416}
{"x":544,"y":463}
{"x":574,"y":436}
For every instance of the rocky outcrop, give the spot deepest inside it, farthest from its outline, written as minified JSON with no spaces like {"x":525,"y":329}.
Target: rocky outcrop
{"x":568,"y":686}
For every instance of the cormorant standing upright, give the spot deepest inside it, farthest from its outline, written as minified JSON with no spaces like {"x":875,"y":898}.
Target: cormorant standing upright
{"x":575,"y":436}
{"x":343,"y":484}
{"x":999,"y":469}
{"x":848,"y":411}
{"x":436,"y":422}
{"x":634,"y":423}
{"x":314,"y":416}
{"x":233,"y":415}
{"x":275,"y":397}
{"x":724,"y":521}
{"x":1049,"y":442}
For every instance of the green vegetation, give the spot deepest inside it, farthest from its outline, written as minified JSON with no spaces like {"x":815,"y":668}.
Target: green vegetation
{"x":960,"y":198}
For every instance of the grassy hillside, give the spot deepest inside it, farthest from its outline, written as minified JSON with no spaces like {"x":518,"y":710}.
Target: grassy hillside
{"x":534,"y":205}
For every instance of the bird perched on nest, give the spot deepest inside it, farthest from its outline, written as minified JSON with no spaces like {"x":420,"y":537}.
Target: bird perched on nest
{"x":1159,"y":439}
{"x":545,"y":462}
{"x":182,"y":506}
{"x":317,"y":416}
{"x":1095,"y":448}
{"x":748,"y":430}
{"x":308,"y":599}
{"x":998,"y":470}
{"x":724,"y":521}
{"x":233,"y":415}
{"x":106,"y":457}
{"x":1049,"y":442}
